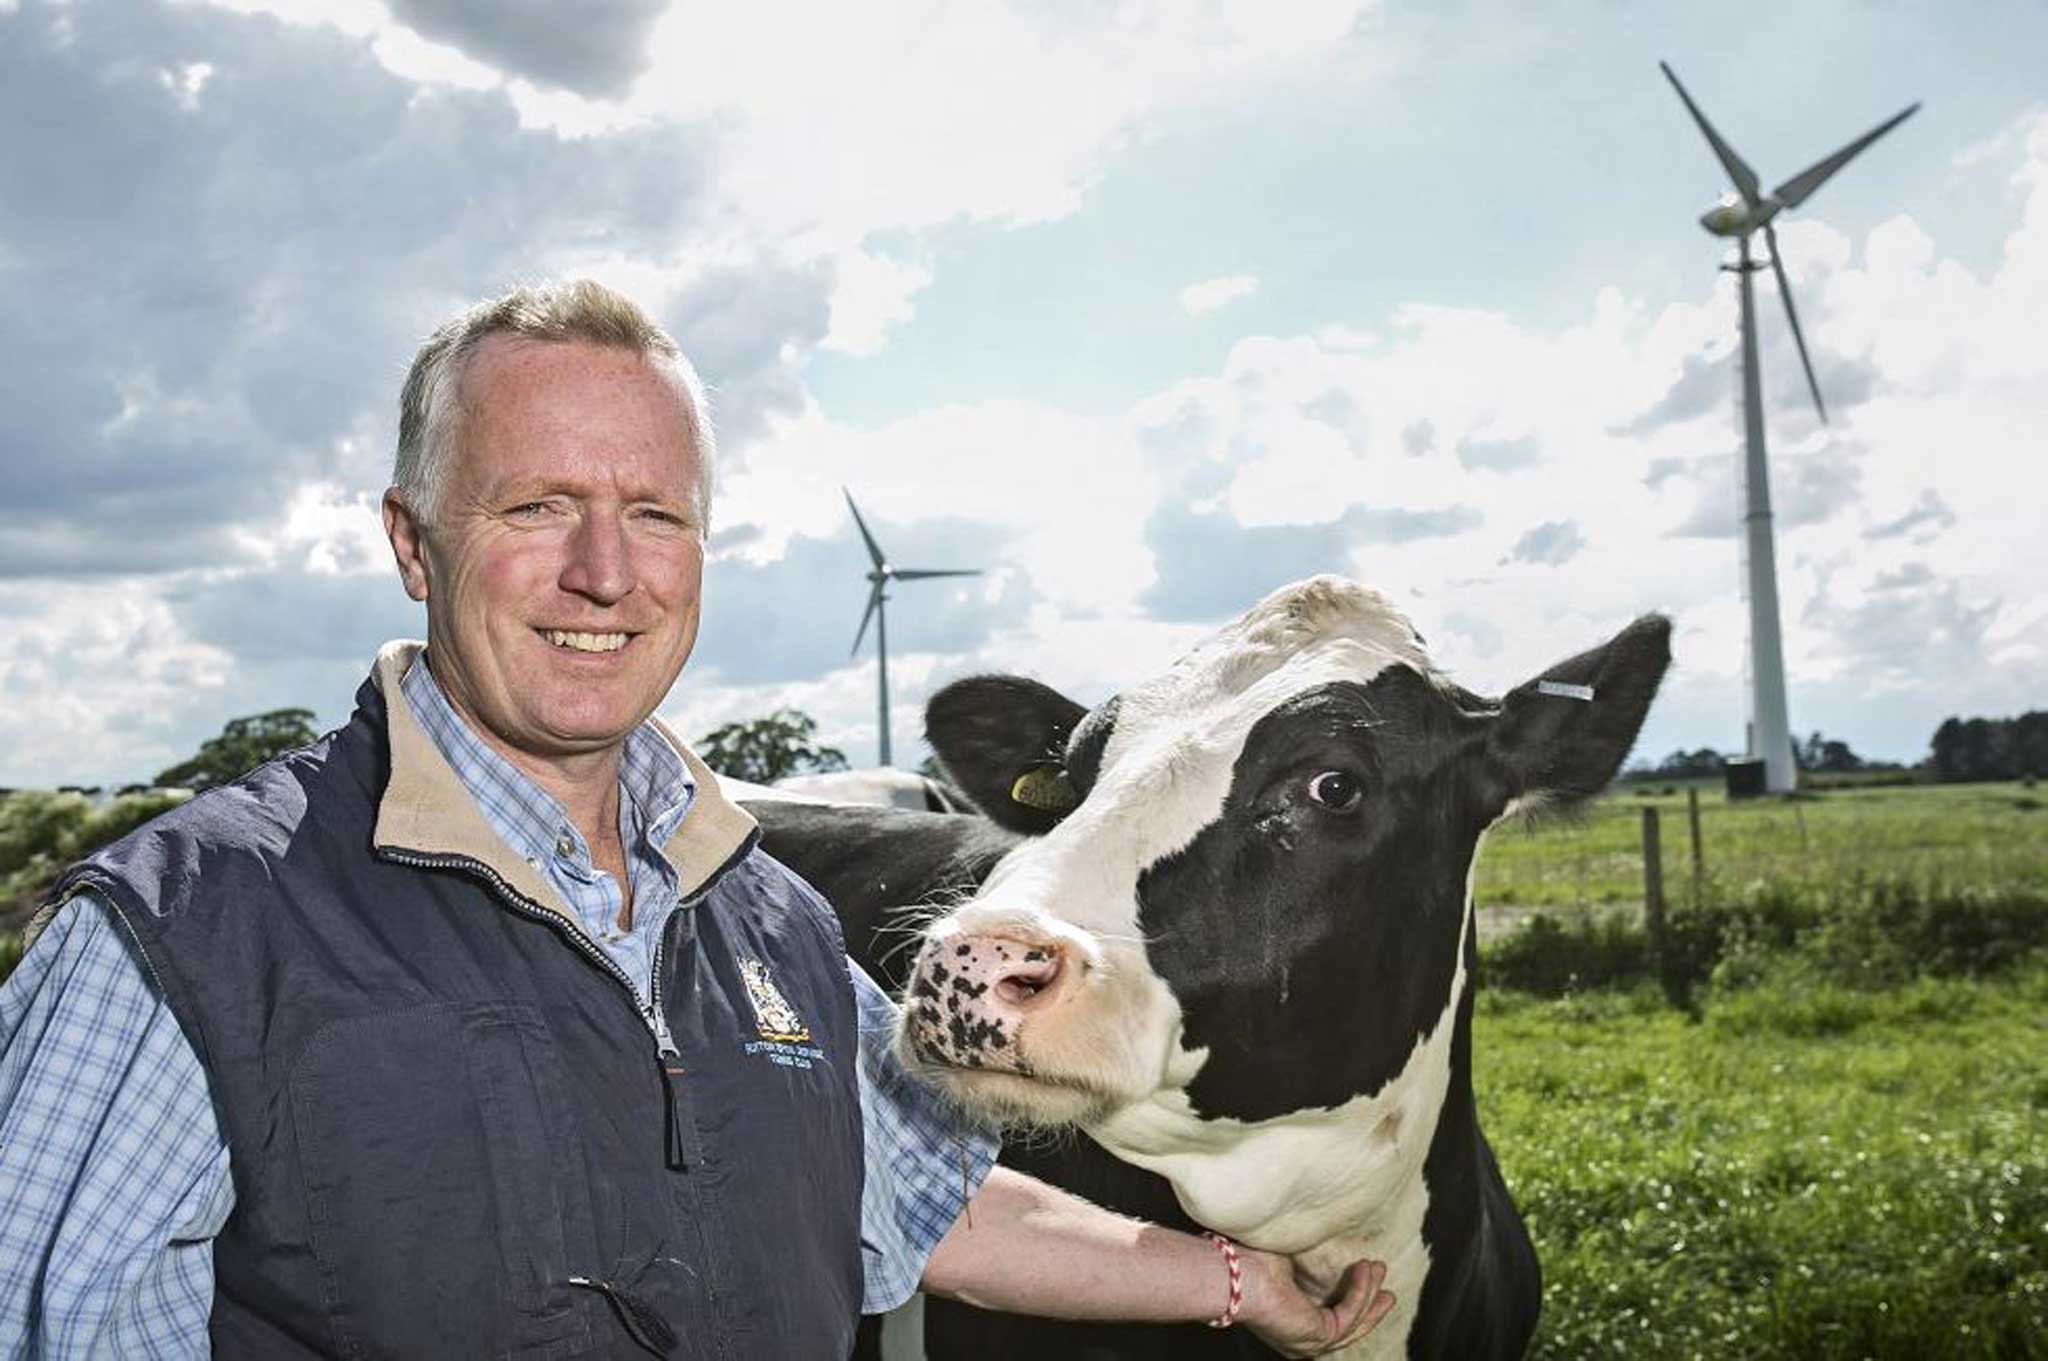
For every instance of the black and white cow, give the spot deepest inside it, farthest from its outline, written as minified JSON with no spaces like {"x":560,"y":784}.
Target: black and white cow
{"x":1226,"y":931}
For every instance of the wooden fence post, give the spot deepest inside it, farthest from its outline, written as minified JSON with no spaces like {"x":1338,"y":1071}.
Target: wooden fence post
{"x":1675,"y":990}
{"x":1699,"y":853}
{"x":1653,"y":880}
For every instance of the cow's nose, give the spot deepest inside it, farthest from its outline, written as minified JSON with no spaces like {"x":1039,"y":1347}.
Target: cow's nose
{"x":971,"y":996}
{"x":1001,"y":973}
{"x":1028,"y":979}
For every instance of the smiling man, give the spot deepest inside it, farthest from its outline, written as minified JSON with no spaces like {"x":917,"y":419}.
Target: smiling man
{"x":481,"y":1027}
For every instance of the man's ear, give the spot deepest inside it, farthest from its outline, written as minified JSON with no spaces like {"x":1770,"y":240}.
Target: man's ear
{"x":1562,"y":736}
{"x":1001,"y":739}
{"x":408,"y":543}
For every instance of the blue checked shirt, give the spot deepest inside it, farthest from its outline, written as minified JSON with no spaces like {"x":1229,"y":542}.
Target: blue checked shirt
{"x":113,"y":1173}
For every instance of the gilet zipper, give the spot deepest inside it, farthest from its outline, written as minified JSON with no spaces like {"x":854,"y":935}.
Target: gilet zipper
{"x":679,"y":1141}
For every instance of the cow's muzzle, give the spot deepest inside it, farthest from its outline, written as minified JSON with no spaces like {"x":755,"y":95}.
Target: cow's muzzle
{"x":970,"y":998}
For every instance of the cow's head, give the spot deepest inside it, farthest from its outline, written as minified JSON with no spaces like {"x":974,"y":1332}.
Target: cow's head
{"x":1249,"y":878}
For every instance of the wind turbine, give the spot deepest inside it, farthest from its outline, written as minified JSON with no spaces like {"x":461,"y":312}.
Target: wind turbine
{"x":1741,"y":215}
{"x":881,"y":576}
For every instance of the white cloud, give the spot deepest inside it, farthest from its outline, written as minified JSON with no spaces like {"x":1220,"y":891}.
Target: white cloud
{"x":185,"y":82}
{"x":1997,"y":146}
{"x":406,"y":54}
{"x":988,"y":110}
{"x":1211,"y":295}
{"x":357,"y":18}
{"x":871,"y":295}
{"x":92,"y":687}
{"x":983,"y":109}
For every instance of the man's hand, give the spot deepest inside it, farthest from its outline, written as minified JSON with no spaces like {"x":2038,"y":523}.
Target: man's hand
{"x":1285,"y":1318}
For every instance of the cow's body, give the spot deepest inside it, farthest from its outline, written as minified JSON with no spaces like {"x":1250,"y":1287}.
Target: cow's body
{"x":880,"y":786}
{"x":876,"y":786}
{"x":1228,"y":934}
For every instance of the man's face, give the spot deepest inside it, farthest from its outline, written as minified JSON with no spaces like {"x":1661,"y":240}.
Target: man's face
{"x":563,"y":570}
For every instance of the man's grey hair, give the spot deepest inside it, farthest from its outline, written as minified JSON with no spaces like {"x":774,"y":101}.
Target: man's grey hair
{"x":581,"y":310}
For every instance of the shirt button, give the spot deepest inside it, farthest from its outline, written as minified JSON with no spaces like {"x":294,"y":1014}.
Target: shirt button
{"x":565,"y":845}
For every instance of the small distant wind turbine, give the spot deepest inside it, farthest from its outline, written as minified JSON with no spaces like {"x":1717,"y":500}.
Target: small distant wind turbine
{"x":881,"y":576}
{"x":1741,"y":215}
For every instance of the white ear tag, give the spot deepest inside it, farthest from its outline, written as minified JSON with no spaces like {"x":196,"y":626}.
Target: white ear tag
{"x":1564,"y":690}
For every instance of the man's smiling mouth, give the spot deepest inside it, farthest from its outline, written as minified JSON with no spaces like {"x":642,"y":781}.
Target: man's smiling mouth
{"x":586,"y":642}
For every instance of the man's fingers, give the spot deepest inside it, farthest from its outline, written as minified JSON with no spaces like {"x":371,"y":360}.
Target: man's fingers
{"x":1382,"y":1304}
{"x":1363,"y":1303}
{"x":1351,"y":1314}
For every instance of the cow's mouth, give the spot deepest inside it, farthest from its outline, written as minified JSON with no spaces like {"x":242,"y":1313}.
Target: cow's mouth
{"x":1028,"y":1098}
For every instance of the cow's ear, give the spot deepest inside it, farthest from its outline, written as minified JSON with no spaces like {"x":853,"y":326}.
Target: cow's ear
{"x":1000,"y":739}
{"x":1562,"y":736}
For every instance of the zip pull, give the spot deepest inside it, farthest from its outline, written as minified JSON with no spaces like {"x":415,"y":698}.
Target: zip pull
{"x":679,"y":1141}
{"x":644,"y":1324}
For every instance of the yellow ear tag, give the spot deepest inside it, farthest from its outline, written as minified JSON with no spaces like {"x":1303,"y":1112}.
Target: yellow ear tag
{"x":1046,"y":788}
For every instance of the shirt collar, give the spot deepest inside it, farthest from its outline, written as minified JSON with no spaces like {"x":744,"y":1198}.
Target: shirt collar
{"x":655,"y":788}
{"x":427,"y":810}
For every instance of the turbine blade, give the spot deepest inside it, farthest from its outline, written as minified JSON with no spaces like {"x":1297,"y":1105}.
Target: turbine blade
{"x":874,"y":549}
{"x":1792,"y":315}
{"x":914,"y":574}
{"x":874,"y":603}
{"x":1737,"y":168}
{"x":1800,"y":187}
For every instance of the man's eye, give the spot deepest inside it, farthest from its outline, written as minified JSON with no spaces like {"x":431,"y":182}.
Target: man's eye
{"x":528,"y":510}
{"x":1337,"y":790}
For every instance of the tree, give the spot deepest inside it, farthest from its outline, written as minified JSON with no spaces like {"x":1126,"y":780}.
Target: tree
{"x":1990,"y":748}
{"x":243,"y":744}
{"x":1825,"y":754}
{"x":764,"y":750}
{"x":42,"y":831}
{"x":1683,"y":764}
{"x":39,"y":823}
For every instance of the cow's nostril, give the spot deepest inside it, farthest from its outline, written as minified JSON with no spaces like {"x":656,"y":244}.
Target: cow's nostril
{"x":1023,"y":981}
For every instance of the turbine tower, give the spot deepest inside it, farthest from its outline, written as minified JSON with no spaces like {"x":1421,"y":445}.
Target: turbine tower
{"x":1741,"y":215}
{"x":881,"y":575}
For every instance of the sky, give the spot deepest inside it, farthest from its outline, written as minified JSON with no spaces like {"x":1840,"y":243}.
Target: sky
{"x":1141,"y":309}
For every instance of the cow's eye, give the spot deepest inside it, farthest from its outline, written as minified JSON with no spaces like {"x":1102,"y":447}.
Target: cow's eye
{"x":1337,"y":790}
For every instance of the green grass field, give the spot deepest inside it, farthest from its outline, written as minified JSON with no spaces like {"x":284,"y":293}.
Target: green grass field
{"x":1992,"y":835}
{"x":1809,"y":1172}
{"x":1836,"y":1159}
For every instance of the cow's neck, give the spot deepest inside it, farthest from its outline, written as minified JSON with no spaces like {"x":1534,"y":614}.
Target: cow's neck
{"x":1327,"y":1186}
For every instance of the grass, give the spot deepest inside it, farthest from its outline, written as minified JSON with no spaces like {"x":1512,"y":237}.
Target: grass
{"x":1865,"y":930}
{"x":1845,"y":1154}
{"x":1992,"y":835}
{"x":1813,"y":1170}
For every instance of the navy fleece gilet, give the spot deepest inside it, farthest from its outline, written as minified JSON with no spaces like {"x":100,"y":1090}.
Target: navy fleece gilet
{"x":441,"y":1111}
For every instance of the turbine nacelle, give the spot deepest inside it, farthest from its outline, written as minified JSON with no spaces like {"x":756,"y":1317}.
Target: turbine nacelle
{"x":1730,"y":216}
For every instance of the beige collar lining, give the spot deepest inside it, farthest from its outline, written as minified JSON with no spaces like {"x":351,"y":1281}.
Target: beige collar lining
{"x":427,"y":810}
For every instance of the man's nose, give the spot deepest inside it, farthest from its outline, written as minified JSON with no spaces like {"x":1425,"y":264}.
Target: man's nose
{"x":600,"y":562}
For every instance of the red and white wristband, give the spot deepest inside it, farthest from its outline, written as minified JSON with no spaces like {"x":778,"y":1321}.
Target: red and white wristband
{"x":1236,"y":1269}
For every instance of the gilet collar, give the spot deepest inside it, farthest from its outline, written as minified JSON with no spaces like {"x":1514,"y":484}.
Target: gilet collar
{"x":426,"y":809}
